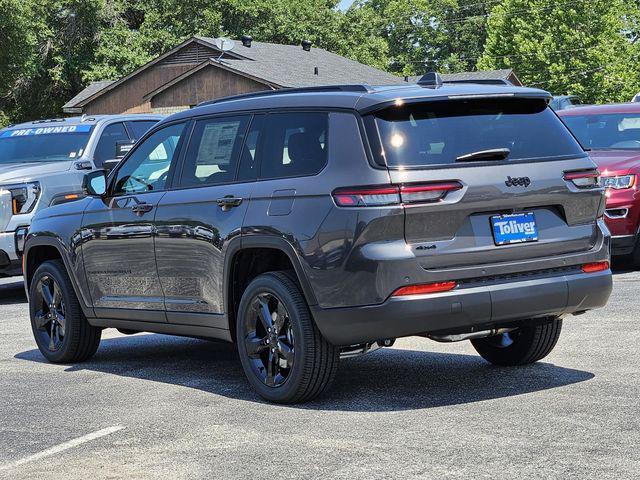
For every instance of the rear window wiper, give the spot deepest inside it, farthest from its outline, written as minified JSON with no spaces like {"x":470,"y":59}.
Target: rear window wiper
{"x":493,"y":154}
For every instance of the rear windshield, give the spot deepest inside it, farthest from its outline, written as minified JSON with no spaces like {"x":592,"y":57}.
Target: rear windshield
{"x":616,"y":131}
{"x":43,"y":144}
{"x":438,"y":133}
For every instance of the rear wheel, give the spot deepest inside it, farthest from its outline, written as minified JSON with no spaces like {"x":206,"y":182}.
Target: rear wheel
{"x":59,"y":327}
{"x":284,"y":356}
{"x":521,"y":346}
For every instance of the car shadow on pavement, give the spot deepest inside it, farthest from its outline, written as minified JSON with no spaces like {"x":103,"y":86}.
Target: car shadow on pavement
{"x":12,"y":293}
{"x":387,"y":380}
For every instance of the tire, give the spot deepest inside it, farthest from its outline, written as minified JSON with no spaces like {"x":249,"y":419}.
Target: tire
{"x":522,"y":346}
{"x":62,"y":334}
{"x":303,"y":363}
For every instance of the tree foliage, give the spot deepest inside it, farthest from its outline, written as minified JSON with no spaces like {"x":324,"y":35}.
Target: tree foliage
{"x":51,"y":49}
{"x":578,"y":47}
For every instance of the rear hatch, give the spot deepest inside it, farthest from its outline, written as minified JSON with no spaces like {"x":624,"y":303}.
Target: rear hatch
{"x":488,"y":180}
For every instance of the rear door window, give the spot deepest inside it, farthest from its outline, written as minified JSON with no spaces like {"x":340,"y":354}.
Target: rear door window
{"x":295,"y":145}
{"x":212,"y":157}
{"x":438,"y":133}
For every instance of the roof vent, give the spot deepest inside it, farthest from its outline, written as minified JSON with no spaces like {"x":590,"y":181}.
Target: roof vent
{"x":246,"y":41}
{"x":306,"y":45}
{"x":315,"y":70}
{"x":431,"y":79}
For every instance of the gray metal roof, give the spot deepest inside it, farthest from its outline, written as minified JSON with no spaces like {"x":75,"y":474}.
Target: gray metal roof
{"x":291,"y":66}
{"x":271,"y":63}
{"x":92,"y":89}
{"x":503,"y":74}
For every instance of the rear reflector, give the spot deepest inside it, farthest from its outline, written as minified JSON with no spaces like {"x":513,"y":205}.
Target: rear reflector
{"x":584,"y":178}
{"x":595,"y":267}
{"x":393,"y":195}
{"x":425,"y":288}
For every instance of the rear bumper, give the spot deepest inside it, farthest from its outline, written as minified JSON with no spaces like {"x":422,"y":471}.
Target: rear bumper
{"x":472,"y":306}
{"x":622,"y":244}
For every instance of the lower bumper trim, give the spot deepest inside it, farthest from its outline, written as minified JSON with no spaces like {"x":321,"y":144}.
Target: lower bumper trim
{"x":465,"y":309}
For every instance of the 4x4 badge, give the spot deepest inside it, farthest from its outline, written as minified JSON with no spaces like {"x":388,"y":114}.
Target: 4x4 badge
{"x":518,"y":182}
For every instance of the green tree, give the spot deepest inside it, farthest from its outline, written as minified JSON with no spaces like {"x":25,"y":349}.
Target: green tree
{"x":577,"y":47}
{"x":17,"y":51}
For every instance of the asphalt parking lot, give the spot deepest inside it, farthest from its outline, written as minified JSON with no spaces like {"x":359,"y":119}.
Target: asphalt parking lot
{"x":154,"y":406}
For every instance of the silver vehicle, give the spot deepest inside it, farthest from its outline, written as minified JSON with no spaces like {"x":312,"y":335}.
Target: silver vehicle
{"x":42,"y":163}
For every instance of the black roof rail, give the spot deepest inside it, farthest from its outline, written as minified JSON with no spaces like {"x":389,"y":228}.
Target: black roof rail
{"x":361,"y":88}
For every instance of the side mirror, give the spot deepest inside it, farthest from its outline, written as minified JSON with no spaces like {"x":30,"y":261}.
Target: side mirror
{"x":94,"y":183}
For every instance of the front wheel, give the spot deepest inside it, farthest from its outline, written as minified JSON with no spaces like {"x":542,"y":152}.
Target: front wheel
{"x":521,"y":346}
{"x":284,"y":356}
{"x":60,"y":329}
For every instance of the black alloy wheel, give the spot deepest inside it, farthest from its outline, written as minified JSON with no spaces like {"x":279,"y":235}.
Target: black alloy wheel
{"x":59,"y":326}
{"x":50,"y":315}
{"x":283,"y":354}
{"x":270,"y":342}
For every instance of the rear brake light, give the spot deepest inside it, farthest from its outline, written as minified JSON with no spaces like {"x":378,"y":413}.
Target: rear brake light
{"x":425,"y":288}
{"x":595,"y":267}
{"x":584,"y":179}
{"x":367,"y":196}
{"x":429,"y":192}
{"x":393,"y":195}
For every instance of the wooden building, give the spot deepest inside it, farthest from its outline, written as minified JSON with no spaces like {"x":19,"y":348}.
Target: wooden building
{"x":198,"y":70}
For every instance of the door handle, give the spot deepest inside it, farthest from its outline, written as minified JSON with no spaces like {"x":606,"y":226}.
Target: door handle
{"x":228,"y":202}
{"x":141,"y":208}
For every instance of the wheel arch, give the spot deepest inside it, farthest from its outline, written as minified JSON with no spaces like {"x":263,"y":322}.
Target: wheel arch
{"x":283,"y":256}
{"x":41,"y":249}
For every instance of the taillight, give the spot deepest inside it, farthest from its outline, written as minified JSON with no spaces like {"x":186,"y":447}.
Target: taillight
{"x":430,"y":192}
{"x":367,"y":196}
{"x":425,"y":288}
{"x":393,"y":195}
{"x":584,"y":178}
{"x":595,"y":267}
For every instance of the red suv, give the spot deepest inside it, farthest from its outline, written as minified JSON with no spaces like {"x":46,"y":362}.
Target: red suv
{"x":612,"y":134}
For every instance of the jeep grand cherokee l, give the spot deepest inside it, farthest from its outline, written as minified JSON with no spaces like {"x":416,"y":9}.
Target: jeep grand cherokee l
{"x":43,"y":163}
{"x":307,"y":224}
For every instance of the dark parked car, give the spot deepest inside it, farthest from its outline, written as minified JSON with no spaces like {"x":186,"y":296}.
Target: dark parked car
{"x":337,"y":220}
{"x":612,"y":134}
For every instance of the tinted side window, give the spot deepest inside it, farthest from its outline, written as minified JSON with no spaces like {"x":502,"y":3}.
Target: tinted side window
{"x":147,"y":168}
{"x":106,"y":148}
{"x":248,"y":169}
{"x":139,"y":128}
{"x":214,"y":149}
{"x":295,"y":145}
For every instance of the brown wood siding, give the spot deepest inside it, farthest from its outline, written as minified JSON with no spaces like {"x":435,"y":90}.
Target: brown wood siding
{"x":128,"y":97}
{"x":209,"y":83}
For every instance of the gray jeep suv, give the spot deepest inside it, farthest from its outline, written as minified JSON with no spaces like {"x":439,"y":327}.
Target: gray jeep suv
{"x":43,"y":163}
{"x":309,"y":224}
